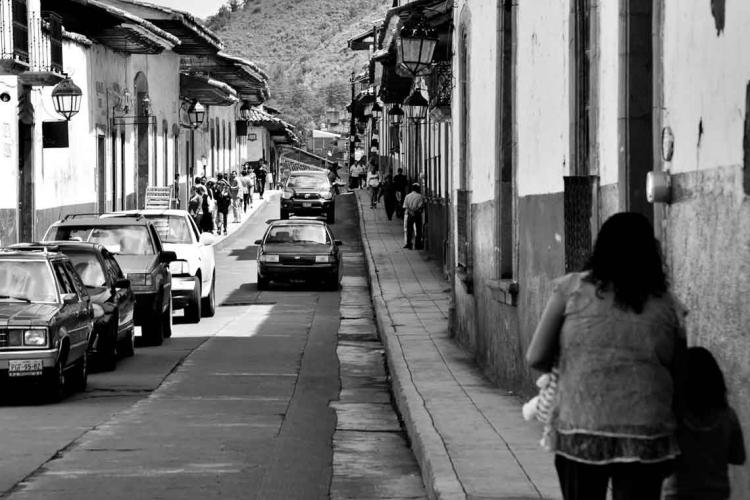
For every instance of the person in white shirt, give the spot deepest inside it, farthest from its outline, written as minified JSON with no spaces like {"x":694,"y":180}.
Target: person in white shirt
{"x":414,"y":206}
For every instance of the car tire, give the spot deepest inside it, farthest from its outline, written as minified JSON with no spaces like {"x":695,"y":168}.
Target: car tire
{"x":153,"y":331}
{"x":208,"y":308}
{"x":81,"y":374}
{"x":55,"y":384}
{"x":166,"y":319}
{"x":126,"y":347}
{"x":284,"y":214}
{"x":193,"y":310}
{"x":106,"y":349}
{"x":262,"y":283}
{"x":331,"y":215}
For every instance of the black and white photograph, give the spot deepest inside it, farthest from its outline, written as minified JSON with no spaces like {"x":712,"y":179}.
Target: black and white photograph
{"x":374,"y":249}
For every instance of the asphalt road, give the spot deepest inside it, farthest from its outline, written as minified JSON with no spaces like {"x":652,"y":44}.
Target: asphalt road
{"x":243,"y":405}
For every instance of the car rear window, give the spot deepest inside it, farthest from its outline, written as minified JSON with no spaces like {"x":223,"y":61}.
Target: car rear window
{"x":26,"y":281}
{"x":308,"y":182}
{"x":171,"y":228}
{"x":298,"y":234}
{"x":126,"y":240}
{"x":89,"y":268}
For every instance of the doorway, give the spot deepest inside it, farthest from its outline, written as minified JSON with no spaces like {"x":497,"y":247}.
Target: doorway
{"x":101,"y":173}
{"x":25,"y":183}
{"x":142,"y":139}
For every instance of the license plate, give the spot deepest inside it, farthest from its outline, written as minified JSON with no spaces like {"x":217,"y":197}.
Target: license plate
{"x":306,"y":204}
{"x":25,"y":367}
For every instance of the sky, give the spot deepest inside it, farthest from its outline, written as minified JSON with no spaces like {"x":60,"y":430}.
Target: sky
{"x":199,"y":8}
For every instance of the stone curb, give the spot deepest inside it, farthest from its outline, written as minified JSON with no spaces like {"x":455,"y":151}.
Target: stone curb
{"x":438,"y":474}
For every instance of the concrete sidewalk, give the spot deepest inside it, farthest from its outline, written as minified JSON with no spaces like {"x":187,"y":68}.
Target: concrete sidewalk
{"x":468,"y":435}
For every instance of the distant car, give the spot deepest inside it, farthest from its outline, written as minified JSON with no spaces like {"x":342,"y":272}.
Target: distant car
{"x":46,"y":319}
{"x":139,"y":252}
{"x":299,"y":249}
{"x":111,"y":297}
{"x":308,"y":192}
{"x":194,"y":271}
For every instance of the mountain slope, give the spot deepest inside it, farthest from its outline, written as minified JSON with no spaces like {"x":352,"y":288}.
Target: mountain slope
{"x":301,"y":44}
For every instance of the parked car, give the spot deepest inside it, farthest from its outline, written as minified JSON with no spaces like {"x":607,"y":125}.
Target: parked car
{"x":140,"y":254}
{"x":46,"y":319}
{"x":194,"y":271}
{"x":111,"y":297}
{"x":299,"y":249}
{"x":308,"y":192}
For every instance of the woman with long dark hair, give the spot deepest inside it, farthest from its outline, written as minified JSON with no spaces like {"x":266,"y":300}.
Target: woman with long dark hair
{"x":616,"y":335}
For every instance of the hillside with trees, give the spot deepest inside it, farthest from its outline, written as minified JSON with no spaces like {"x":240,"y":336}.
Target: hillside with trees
{"x":302,"y":45}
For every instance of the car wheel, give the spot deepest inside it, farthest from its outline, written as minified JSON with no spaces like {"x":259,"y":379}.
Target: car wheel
{"x":262,"y":283}
{"x":106,"y":348}
{"x":126,"y":347}
{"x":193,"y":310}
{"x":55,"y":385}
{"x":284,"y":214}
{"x":152,"y":331}
{"x":331,"y":215}
{"x":209,"y":303}
{"x":167,"y":321}
{"x":81,"y":376}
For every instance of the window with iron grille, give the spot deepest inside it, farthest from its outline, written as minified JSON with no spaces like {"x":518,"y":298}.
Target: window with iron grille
{"x":20,"y":30}
{"x":55,"y":30}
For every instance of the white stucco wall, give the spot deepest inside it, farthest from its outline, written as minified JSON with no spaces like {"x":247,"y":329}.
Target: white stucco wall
{"x":542,"y":96}
{"x":608,"y":46}
{"x":9,"y":143}
{"x":259,"y":147}
{"x":705,"y":81}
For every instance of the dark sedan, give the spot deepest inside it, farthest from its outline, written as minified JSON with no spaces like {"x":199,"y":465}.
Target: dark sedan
{"x":111,"y":297}
{"x":308,"y":193}
{"x":299,"y":250}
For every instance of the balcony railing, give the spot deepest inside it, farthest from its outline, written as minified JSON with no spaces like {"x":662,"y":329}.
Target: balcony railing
{"x":14,"y":32}
{"x":46,"y":49}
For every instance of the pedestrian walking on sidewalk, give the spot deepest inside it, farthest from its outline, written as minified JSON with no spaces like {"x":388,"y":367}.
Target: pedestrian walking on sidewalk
{"x":373,"y":184}
{"x":414,"y":206}
{"x":248,"y":185}
{"x":617,"y":337}
{"x":353,"y":176}
{"x":710,"y":435}
{"x":400,"y":184}
{"x":223,"y":202}
{"x":260,"y":177}
{"x":388,"y":193}
{"x":235,"y":192}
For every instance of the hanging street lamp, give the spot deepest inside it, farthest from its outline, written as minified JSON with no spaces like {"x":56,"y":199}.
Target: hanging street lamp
{"x":416,"y":106}
{"x":66,"y":98}
{"x":245,"y":111}
{"x":196,"y":114}
{"x":377,"y":110}
{"x":396,"y":114}
{"x":416,"y":44}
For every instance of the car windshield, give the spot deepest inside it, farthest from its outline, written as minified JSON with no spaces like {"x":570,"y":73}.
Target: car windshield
{"x":126,"y":240}
{"x":88,"y":267}
{"x":26,"y":281}
{"x":308,"y":182}
{"x":171,"y":228}
{"x":298,"y":233}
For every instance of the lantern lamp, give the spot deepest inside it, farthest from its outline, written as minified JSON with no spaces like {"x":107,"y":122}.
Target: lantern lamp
{"x":196,"y":114}
{"x":416,"y":106}
{"x":66,"y":98}
{"x":416,"y":44}
{"x":245,"y":111}
{"x":377,"y":109}
{"x":396,"y":114}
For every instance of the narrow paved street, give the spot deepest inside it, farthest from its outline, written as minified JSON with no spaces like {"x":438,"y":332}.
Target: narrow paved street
{"x":264,"y":400}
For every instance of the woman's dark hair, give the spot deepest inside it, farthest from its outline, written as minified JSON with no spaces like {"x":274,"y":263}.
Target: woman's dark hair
{"x":627,"y":260}
{"x":706,"y":389}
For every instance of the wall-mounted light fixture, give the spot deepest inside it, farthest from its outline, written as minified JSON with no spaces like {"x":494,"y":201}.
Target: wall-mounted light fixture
{"x":66,"y":98}
{"x":196,"y":114}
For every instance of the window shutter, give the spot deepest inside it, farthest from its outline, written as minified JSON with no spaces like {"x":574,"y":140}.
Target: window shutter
{"x":55,"y":41}
{"x":20,"y":30}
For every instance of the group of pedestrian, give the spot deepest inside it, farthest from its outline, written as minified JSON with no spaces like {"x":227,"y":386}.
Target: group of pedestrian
{"x":623,"y":398}
{"x":211,"y":200}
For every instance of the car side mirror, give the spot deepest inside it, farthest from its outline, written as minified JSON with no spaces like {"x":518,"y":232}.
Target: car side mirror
{"x":122,"y":283}
{"x":167,"y":256}
{"x":69,"y":298}
{"x":258,"y":242}
{"x":207,"y":239}
{"x":338,"y":243}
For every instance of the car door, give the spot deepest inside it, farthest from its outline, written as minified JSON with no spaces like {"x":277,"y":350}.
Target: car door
{"x":123,"y":297}
{"x":207,"y":257}
{"x":164,"y":277}
{"x":86,"y":311}
{"x":73,"y":317}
